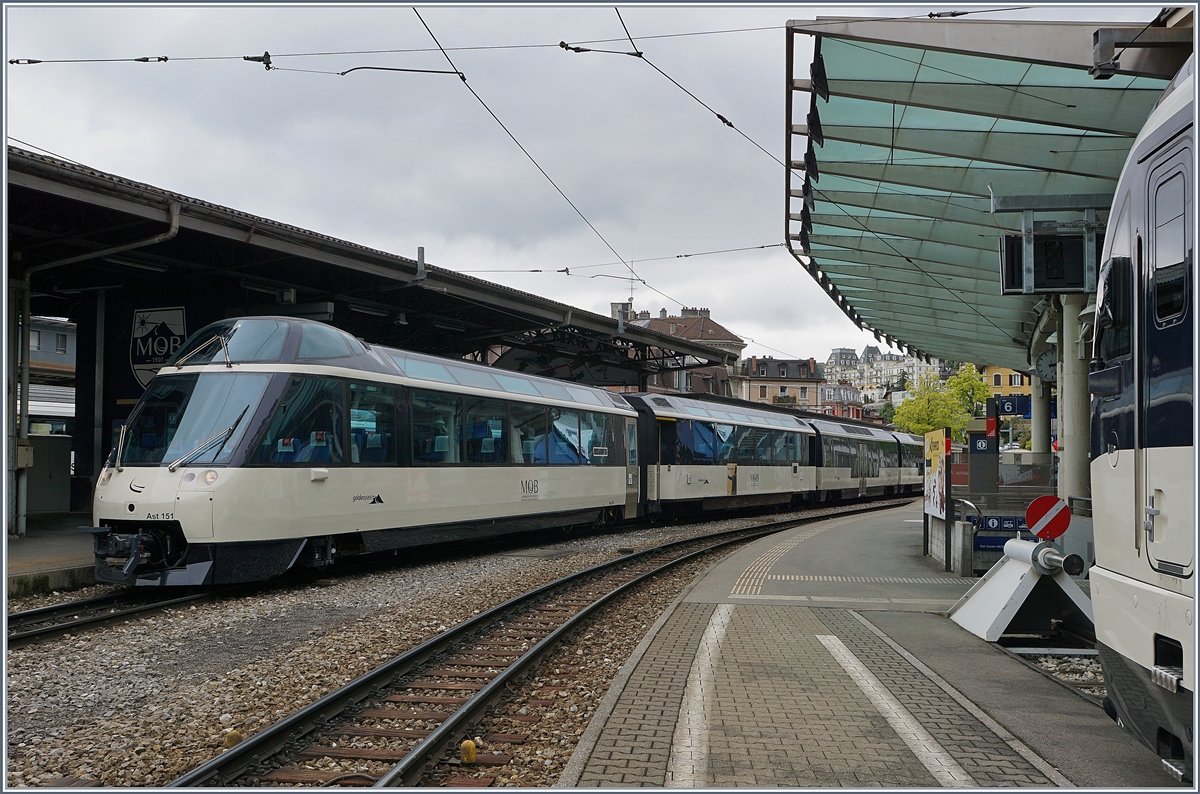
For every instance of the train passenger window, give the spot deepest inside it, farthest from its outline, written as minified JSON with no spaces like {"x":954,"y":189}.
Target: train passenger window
{"x":528,"y":432}
{"x":372,"y":424}
{"x":599,"y":441}
{"x":487,"y":431}
{"x":1170,"y":248}
{"x":753,"y":445}
{"x":696,"y":442}
{"x":783,"y":449}
{"x":724,"y":443}
{"x":321,"y":341}
{"x":564,"y":435}
{"x":307,"y":425}
{"x":436,"y":428}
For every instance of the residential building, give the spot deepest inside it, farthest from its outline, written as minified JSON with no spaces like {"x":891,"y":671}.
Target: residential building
{"x":779,"y":381}
{"x":1003,"y":382}
{"x":52,"y":351}
{"x":841,"y":399}
{"x":693,"y":324}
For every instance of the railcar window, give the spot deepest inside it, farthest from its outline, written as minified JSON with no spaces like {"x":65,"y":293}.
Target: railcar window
{"x":528,"y":432}
{"x":838,"y":452}
{"x":476,"y":376}
{"x":724,"y":444}
{"x":372,"y":424}
{"x":181,"y":412}
{"x":890,"y":454}
{"x":779,"y":441}
{"x":247,"y":340}
{"x":424,"y":370}
{"x":753,"y":444}
{"x":1170,"y":248}
{"x":307,"y":425}
{"x":668,"y":442}
{"x":436,"y":428}
{"x":321,"y":341}
{"x":696,"y":442}
{"x":487,"y":431}
{"x":598,"y":440}
{"x":551,"y":390}
{"x":564,"y":436}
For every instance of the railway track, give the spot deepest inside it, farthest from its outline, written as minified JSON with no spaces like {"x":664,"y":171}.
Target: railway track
{"x":53,"y":621}
{"x":401,"y":718}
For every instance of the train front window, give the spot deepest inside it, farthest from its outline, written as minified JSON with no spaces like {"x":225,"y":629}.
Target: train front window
{"x":246,"y":340}
{"x":181,"y":412}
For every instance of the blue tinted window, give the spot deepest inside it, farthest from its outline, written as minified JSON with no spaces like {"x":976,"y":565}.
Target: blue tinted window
{"x":516,"y":385}
{"x":321,"y":341}
{"x":426,"y":370}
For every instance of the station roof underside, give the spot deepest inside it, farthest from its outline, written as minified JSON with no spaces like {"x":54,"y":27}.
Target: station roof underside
{"x":910,"y":127}
{"x":64,"y":211}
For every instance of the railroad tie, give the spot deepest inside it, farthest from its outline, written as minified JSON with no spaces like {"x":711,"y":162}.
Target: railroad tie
{"x":356,"y":753}
{"x":432,"y":700}
{"x":404,"y":714}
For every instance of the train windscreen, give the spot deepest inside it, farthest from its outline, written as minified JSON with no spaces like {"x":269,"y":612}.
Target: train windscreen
{"x":180,"y":413}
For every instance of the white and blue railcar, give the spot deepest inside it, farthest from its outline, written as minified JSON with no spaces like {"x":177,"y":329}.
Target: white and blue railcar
{"x":1143,"y":455}
{"x":272,"y":443}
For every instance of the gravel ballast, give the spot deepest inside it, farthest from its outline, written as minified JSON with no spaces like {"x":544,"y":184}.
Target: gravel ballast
{"x":141,"y":703}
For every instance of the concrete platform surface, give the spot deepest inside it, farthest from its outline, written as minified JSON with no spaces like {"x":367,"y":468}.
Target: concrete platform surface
{"x":54,"y":554}
{"x":818,"y":657}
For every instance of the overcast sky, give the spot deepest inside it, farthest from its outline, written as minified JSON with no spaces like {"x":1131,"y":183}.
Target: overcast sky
{"x":396,"y":160}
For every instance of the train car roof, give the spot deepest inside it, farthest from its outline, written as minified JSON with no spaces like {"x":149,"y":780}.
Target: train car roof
{"x":832,"y":427}
{"x":675,"y":407}
{"x":332,"y":347}
{"x":909,"y":438}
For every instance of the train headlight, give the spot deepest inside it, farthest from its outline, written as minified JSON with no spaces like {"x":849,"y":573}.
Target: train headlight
{"x":105,"y":476}
{"x":191,"y":475}
{"x":209,"y":477}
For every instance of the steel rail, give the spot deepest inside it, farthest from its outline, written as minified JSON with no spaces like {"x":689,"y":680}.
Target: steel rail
{"x":21,"y":638}
{"x":232,"y":763}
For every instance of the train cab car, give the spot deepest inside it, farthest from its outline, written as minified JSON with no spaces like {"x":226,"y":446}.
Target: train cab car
{"x":1143,"y":458}
{"x":699,"y":455}
{"x":912,"y":462}
{"x":271,"y":443}
{"x":855,"y":460}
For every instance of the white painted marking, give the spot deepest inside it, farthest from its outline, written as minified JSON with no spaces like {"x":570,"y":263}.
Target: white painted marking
{"x":1016,"y":744}
{"x":940,"y":763}
{"x":688,"y":764}
{"x":914,"y":521}
{"x":1046,"y":519}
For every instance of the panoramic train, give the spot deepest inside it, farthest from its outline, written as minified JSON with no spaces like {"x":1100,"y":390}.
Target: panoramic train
{"x":269,"y":444}
{"x":1143,"y":458}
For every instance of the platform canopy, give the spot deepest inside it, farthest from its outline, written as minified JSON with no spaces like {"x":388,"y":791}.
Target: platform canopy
{"x":900,"y":134}
{"x":76,"y":231}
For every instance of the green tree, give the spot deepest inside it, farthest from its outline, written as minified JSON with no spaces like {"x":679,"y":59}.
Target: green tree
{"x":888,"y":412}
{"x":932,"y":405}
{"x":968,"y":388}
{"x":902,"y":383}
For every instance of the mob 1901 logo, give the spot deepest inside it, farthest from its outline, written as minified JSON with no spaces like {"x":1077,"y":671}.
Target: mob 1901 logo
{"x":157,"y":334}
{"x":529,"y":490}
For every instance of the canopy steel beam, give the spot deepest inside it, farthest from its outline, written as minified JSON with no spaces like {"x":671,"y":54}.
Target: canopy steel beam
{"x":1118,"y":112}
{"x":914,"y":249}
{"x":947,"y":232}
{"x":960,"y":209}
{"x":1065,"y":44}
{"x":850,"y":274}
{"x":1069,"y":154}
{"x":972,"y":181}
{"x":930,"y":297}
{"x":855,"y":261}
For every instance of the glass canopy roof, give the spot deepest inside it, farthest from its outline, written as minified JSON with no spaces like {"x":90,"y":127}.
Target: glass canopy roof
{"x":897,"y":144}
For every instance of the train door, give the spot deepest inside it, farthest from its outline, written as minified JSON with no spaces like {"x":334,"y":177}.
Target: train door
{"x":1165,"y":377}
{"x":632,"y":481}
{"x":863,"y":464}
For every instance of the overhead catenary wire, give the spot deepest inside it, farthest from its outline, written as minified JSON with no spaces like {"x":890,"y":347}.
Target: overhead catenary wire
{"x":524,"y":150}
{"x":484,"y":47}
{"x":635,"y":261}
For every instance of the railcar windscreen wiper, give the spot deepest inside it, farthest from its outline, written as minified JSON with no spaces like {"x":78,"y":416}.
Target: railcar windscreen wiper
{"x":222,"y":436}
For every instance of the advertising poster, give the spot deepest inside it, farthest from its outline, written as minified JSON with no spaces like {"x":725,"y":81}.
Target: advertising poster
{"x":936,"y":469}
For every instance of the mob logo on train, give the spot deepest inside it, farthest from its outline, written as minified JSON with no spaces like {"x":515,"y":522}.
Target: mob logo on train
{"x":157,"y":334}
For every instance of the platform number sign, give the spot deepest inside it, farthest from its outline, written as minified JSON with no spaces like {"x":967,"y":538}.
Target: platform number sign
{"x":981,"y":444}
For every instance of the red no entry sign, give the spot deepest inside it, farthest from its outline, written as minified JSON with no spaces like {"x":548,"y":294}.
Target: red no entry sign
{"x":1048,"y":517}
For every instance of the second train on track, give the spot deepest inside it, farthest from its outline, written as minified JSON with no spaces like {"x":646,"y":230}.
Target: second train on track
{"x":272,"y":444}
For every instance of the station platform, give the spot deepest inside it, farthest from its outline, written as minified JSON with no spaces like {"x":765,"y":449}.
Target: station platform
{"x":53,"y":555}
{"x":822,"y":657}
